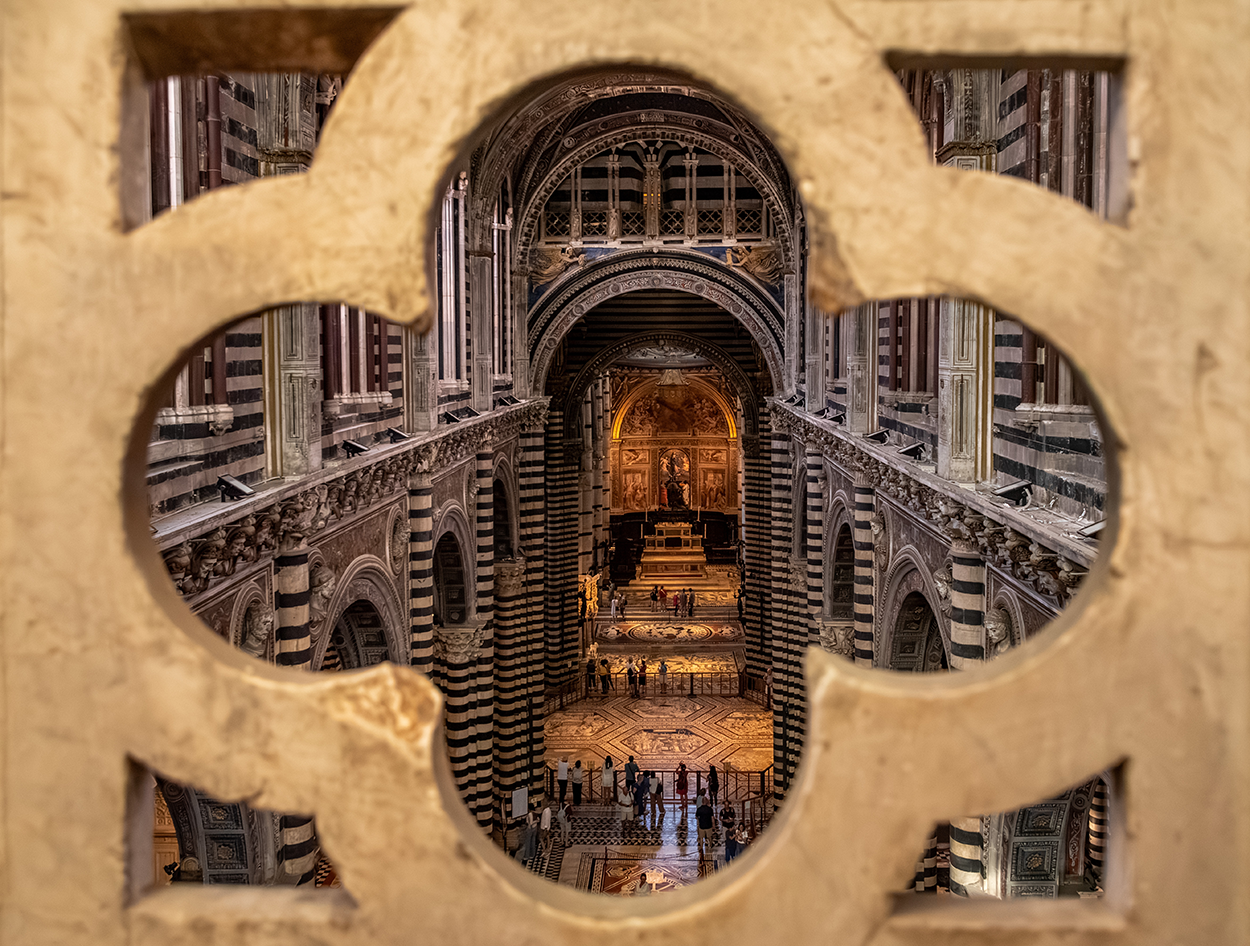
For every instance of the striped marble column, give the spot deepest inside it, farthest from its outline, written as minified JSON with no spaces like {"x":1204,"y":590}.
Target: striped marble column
{"x":297,"y":856}
{"x":511,"y":717}
{"x":456,"y":656}
{"x":757,"y":533}
{"x":421,"y":558}
{"x":967,"y":651}
{"x":562,"y":503}
{"x":926,"y":868}
{"x":865,"y":497}
{"x":817,"y":482}
{"x":789,"y":599}
{"x":967,"y":857}
{"x":1096,"y":849}
{"x":532,"y":518}
{"x":291,"y":595}
{"x":483,"y":684}
{"x":967,"y":606}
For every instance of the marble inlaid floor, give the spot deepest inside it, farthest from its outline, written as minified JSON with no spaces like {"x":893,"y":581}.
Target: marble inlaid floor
{"x":720,"y":633}
{"x":662,"y":730}
{"x":606,"y":856}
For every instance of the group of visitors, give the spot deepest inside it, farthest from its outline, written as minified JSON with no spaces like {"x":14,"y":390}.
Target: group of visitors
{"x":618,"y":603}
{"x":683,"y":601}
{"x":536,"y":834}
{"x":637,"y":790}
{"x":599,"y":673}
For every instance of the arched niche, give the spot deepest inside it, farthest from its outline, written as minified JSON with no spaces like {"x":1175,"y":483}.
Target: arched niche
{"x":452,"y":605}
{"x":692,"y":420}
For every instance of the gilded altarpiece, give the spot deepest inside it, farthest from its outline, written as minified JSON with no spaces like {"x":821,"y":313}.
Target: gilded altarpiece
{"x":674,"y":446}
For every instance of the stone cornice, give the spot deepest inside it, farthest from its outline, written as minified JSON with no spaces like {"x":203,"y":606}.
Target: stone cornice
{"x":207,"y":543}
{"x":1042,"y":555}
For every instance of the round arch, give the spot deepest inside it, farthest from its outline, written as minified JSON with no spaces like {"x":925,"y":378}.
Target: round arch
{"x":726,"y":409}
{"x":713,"y":353}
{"x":370,"y":579}
{"x":700,"y":274}
{"x":905,"y":576}
{"x":507,"y":490}
{"x":453,"y":522}
{"x":590,"y":148}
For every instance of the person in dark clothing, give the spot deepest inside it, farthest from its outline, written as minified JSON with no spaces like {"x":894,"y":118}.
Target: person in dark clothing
{"x":731,"y":844}
{"x":713,"y":783}
{"x":706,"y":817}
{"x":576,"y":778}
{"x":590,"y":676}
{"x":641,"y":794}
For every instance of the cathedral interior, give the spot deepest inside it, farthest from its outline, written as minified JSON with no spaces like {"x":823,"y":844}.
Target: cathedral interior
{"x":631,"y":475}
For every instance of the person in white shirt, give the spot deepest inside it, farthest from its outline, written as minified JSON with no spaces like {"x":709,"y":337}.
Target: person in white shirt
{"x":562,"y":776}
{"x":544,"y":827}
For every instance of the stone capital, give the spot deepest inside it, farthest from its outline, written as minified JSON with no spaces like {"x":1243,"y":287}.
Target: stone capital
{"x":457,"y":645}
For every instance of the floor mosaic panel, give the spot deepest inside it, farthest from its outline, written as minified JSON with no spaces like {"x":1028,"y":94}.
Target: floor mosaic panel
{"x":669,"y":632}
{"x":661,"y":731}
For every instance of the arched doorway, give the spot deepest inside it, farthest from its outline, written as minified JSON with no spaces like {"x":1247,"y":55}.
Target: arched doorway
{"x":840,"y":586}
{"x":358,"y":639}
{"x":450,"y":599}
{"x":504,"y":541}
{"x":917,"y":638}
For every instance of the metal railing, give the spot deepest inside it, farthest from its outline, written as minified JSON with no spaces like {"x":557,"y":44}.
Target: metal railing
{"x":724,"y":683}
{"x":750,"y":792}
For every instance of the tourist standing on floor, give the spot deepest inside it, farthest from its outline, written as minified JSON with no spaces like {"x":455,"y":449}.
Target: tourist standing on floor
{"x":689,"y":602}
{"x":624,"y":604}
{"x":706,"y":819}
{"x":682,"y":786}
{"x":663,"y":675}
{"x":641,"y":794}
{"x":713,"y":783}
{"x":613,"y":605}
{"x":607,"y":781}
{"x":544,"y":828}
{"x":576,"y":778}
{"x":731,"y":844}
{"x":657,"y":794}
{"x":564,"y":818}
{"x":663,"y":599}
{"x":728,"y":818}
{"x":631,"y":773}
{"x":655,"y":597}
{"x":642,"y":676}
{"x":676,"y":605}
{"x":604,"y":675}
{"x":590,"y":676}
{"x":529,"y":839}
{"x":624,"y":806}
{"x":562,"y":776}
{"x":631,"y":677}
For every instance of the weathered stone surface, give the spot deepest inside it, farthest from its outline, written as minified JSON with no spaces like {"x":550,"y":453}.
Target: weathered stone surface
{"x":102,"y":662}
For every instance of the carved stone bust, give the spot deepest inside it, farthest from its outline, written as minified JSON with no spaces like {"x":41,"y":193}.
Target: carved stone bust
{"x":997,"y":632}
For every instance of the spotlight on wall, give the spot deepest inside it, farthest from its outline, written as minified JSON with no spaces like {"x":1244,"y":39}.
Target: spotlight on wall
{"x":1091,"y":531}
{"x":878,"y":436}
{"x":1017,"y":493}
{"x":838,"y":418}
{"x":232,"y":489}
{"x":914,"y":451}
{"x":396,"y":435}
{"x":354,"y":448}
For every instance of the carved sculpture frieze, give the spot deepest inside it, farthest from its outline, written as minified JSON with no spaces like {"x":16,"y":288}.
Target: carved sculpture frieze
{"x":294,"y":517}
{"x":1047,"y":572}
